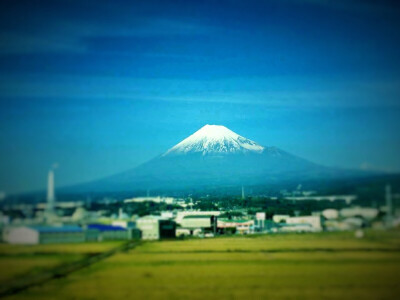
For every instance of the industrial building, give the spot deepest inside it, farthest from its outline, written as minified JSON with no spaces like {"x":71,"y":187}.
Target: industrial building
{"x":314,"y":221}
{"x":280,"y":218}
{"x":124,"y":223}
{"x":101,"y":232}
{"x":181,"y":214}
{"x":235,"y":226}
{"x":158,"y":199}
{"x":366,"y":213}
{"x":198,"y":224}
{"x":298,"y":227}
{"x":155,"y":227}
{"x":43,"y":234}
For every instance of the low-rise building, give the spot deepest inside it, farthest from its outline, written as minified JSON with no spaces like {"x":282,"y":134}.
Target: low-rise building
{"x":199,"y":224}
{"x":43,"y":234}
{"x":124,"y":223}
{"x":236,"y":226}
{"x":155,"y":227}
{"x":158,"y":199}
{"x":367,"y":213}
{"x":330,"y":214}
{"x":280,"y":218}
{"x":313,"y":221}
{"x":182,"y":214}
{"x":305,"y":227}
{"x":167,"y":214}
{"x":102,"y":232}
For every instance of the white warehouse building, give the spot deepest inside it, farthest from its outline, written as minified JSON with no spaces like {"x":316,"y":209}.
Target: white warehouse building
{"x":43,"y":234}
{"x":313,"y":221}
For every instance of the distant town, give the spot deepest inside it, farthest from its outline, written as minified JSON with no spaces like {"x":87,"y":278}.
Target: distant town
{"x":163,"y":217}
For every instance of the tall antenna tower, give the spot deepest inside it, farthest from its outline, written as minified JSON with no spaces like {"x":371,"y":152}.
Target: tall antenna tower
{"x":242,"y":192}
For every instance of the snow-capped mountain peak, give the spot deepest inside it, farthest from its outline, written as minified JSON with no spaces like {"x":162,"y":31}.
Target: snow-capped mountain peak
{"x":215,"y":139}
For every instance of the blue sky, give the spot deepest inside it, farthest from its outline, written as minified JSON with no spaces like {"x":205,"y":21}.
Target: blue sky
{"x":102,"y":86}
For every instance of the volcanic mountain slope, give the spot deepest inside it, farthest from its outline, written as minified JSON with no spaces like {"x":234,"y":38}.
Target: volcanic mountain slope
{"x":215,"y":156}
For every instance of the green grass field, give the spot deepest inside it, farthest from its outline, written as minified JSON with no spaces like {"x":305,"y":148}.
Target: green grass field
{"x":16,"y":260}
{"x":290,"y":266}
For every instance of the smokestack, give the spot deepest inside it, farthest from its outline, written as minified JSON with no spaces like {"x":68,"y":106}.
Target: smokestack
{"x":50,"y":191}
{"x":389,"y":205}
{"x":242,"y":192}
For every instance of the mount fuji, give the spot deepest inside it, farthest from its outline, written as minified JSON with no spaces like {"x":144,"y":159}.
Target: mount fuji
{"x":215,"y":139}
{"x":214,"y":156}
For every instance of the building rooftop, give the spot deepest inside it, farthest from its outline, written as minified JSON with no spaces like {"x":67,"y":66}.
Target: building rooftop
{"x":103,"y":227}
{"x":197,"y":217}
{"x":234,"y":220}
{"x":55,"y":229}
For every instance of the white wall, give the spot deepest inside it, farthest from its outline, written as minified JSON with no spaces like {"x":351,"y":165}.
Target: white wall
{"x":314,"y":221}
{"x":21,"y":235}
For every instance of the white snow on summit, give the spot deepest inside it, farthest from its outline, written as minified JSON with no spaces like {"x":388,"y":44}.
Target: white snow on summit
{"x":215,"y":139}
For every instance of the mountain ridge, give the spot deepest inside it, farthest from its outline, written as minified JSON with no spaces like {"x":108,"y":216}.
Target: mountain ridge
{"x":214,"y":156}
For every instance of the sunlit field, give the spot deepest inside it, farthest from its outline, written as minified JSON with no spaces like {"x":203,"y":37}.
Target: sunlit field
{"x":291,"y":266}
{"x":17,"y":261}
{"x":81,"y":248}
